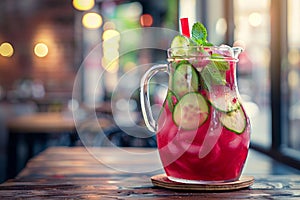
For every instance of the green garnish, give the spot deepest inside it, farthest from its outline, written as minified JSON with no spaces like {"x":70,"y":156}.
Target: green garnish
{"x":214,"y":73}
{"x":199,"y":34}
{"x":177,"y":42}
{"x":180,"y":41}
{"x":221,"y":63}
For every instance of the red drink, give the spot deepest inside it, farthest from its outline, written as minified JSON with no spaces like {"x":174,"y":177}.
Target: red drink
{"x":203,"y":133}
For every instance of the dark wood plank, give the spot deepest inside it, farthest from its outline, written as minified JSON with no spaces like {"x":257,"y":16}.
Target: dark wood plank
{"x":73,"y":173}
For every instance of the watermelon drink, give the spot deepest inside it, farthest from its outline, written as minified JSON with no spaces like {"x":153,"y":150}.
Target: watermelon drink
{"x":203,"y":132}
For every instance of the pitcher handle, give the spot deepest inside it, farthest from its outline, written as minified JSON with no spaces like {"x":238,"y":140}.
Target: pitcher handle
{"x":144,"y":95}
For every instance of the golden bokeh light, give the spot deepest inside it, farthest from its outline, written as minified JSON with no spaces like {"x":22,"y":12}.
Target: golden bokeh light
{"x":294,"y":56}
{"x":41,"y":50}
{"x":110,"y":60}
{"x":83,"y":5}
{"x":111,"y":53}
{"x":6,"y":49}
{"x":107,"y":44}
{"x":92,"y":20}
{"x":111,"y":34}
{"x":110,"y":66}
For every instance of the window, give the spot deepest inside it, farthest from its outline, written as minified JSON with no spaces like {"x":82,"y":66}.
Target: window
{"x":252,"y":27}
{"x":269,"y":74}
{"x":292,"y":77}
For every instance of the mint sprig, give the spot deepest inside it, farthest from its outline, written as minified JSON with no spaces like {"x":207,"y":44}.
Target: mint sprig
{"x":199,"y":34}
{"x":214,"y":72}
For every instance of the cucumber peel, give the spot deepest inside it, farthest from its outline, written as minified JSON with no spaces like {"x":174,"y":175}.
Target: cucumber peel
{"x":234,"y":121}
{"x":191,"y":111}
{"x":224,"y":99}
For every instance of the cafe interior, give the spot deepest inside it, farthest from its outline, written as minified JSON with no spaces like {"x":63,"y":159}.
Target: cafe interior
{"x":70,"y":69}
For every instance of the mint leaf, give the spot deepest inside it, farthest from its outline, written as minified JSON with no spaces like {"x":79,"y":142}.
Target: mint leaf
{"x":221,"y":65}
{"x":212,"y":75}
{"x":208,"y":44}
{"x":219,"y":61}
{"x":199,"y":33}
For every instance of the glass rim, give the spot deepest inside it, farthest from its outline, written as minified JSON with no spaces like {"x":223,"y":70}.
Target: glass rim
{"x":192,"y":52}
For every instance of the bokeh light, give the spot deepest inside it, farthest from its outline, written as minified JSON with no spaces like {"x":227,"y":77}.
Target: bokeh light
{"x":83,"y":4}
{"x":294,"y":56}
{"x":110,"y":59}
{"x":146,"y":20}
{"x":255,"y":19}
{"x":6,"y":49}
{"x":41,"y":50}
{"x":108,"y":26}
{"x":221,"y":26}
{"x":92,"y":20}
{"x":111,"y":34}
{"x":293,"y":79}
{"x":111,"y":66}
{"x":111,"y":53}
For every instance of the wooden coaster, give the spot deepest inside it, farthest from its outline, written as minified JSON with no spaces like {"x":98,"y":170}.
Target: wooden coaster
{"x":161,"y":180}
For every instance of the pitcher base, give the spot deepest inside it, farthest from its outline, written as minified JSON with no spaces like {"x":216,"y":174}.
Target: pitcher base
{"x":180,"y":180}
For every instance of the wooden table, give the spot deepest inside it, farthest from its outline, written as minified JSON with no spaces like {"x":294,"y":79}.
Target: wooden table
{"x":37,"y":128}
{"x":73,"y":173}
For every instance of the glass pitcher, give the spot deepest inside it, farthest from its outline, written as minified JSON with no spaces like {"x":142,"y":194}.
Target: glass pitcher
{"x":203,"y":131}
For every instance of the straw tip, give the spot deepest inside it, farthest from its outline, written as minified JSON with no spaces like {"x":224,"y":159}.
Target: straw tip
{"x":185,"y":26}
{"x":183,"y":19}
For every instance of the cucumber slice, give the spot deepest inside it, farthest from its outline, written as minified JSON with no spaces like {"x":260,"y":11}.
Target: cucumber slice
{"x":177,"y":42}
{"x":191,"y":111}
{"x":223,"y":99}
{"x":234,"y":121}
{"x":185,"y":79}
{"x":180,"y":41}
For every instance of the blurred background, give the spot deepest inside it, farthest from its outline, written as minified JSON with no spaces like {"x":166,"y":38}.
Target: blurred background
{"x":43,"y":44}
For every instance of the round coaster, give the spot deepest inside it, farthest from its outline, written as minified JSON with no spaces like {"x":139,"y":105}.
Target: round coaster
{"x":161,"y":180}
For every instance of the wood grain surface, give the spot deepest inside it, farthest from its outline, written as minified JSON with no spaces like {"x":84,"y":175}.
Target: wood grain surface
{"x":73,"y":173}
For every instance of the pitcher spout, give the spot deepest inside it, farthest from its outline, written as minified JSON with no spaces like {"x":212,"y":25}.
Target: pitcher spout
{"x":237,"y":51}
